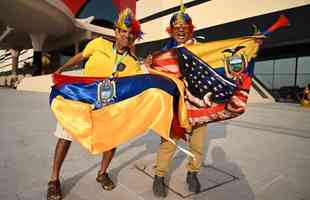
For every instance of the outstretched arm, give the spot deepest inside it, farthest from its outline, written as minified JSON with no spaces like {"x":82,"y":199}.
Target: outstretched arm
{"x":75,"y":60}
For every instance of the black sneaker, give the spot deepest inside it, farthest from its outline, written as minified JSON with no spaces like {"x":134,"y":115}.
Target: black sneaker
{"x":193,"y":182}
{"x":159,"y":188}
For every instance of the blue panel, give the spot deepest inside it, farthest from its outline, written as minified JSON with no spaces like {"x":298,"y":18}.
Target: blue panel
{"x":101,"y":9}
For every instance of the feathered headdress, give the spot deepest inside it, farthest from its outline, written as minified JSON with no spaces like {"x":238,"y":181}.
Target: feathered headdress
{"x":127,"y":20}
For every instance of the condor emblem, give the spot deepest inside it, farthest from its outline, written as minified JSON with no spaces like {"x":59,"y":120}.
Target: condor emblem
{"x":106,"y":92}
{"x":235,"y":63}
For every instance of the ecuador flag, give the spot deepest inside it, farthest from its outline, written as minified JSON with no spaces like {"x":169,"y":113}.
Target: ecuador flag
{"x":139,"y":103}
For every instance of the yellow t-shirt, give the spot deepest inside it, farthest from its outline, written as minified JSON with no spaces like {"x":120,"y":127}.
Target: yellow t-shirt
{"x":102,"y":58}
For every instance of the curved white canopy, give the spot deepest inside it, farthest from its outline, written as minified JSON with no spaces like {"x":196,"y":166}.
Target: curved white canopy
{"x":48,"y":20}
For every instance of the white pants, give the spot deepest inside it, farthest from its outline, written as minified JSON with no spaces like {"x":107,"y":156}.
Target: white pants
{"x":60,"y":132}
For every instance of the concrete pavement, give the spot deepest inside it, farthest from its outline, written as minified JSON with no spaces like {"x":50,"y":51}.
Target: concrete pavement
{"x":264,"y":155}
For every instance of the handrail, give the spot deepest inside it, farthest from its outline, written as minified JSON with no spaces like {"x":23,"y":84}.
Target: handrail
{"x":4,"y":58}
{"x":18,"y":62}
{"x":260,"y":91}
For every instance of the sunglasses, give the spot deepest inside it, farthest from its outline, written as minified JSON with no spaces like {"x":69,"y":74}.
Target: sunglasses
{"x":184,"y":27}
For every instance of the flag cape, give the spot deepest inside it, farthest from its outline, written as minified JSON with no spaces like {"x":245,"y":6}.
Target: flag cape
{"x":217,"y":75}
{"x":215,"y":90}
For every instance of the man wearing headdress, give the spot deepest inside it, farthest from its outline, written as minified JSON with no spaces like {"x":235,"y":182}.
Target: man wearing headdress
{"x":181,"y":31}
{"x":103,"y":58}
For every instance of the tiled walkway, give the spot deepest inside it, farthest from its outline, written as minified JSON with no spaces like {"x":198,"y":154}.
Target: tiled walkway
{"x":264,"y":155}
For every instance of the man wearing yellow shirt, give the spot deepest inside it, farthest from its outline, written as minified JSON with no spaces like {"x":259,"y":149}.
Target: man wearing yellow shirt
{"x":103,"y":58}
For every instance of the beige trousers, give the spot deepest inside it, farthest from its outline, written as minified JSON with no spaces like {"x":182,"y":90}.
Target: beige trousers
{"x":167,"y":150}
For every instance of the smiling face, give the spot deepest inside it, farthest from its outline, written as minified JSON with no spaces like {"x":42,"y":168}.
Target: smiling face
{"x":124,"y":39}
{"x":181,"y":32}
{"x":181,"y":27}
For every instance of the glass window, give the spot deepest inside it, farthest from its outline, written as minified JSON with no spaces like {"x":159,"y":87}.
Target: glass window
{"x":285,"y":66}
{"x":303,"y":65}
{"x":303,"y":71}
{"x":266,"y":79}
{"x":264,"y":67}
{"x":264,"y":72}
{"x":283,"y":80}
{"x":284,"y":73}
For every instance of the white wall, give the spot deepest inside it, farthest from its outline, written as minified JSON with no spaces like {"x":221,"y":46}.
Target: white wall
{"x":212,"y":13}
{"x":36,"y":84}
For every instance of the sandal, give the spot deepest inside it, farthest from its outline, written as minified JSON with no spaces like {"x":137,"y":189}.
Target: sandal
{"x":105,"y":181}
{"x":54,"y":190}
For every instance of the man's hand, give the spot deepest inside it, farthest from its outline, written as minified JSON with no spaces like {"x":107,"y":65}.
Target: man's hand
{"x":58,"y":71}
{"x":148,"y":61}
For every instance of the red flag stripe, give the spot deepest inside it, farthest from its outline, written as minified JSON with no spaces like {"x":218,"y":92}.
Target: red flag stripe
{"x":59,"y":79}
{"x":170,"y":68}
{"x":241,"y":96}
{"x":246,"y":82}
{"x":206,"y":111}
{"x":164,"y":62}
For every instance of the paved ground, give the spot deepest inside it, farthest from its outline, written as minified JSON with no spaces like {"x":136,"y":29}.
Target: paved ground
{"x":264,"y":155}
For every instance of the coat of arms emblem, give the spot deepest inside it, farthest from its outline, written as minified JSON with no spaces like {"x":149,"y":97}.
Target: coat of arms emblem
{"x":106,"y":92}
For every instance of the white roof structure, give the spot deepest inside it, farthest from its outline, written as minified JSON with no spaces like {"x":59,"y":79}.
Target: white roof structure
{"x":42,"y":25}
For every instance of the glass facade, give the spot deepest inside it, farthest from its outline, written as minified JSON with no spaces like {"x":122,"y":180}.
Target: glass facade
{"x":285,"y":78}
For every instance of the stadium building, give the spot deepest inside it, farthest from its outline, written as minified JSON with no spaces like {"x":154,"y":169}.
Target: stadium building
{"x":282,"y":67}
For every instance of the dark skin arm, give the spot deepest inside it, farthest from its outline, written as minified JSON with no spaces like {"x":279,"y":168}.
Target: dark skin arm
{"x":148,"y":61}
{"x":75,"y":60}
